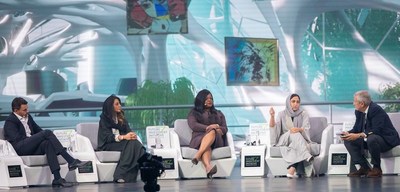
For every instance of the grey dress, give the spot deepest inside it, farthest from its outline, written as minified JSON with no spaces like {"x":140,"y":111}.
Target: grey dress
{"x":198,"y":123}
{"x":294,"y":147}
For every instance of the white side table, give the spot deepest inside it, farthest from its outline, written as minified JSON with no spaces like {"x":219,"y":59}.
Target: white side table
{"x":170,"y":161}
{"x":338,"y":160}
{"x":252,"y":160}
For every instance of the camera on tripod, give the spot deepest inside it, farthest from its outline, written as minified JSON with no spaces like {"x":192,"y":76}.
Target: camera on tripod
{"x":151,"y":167}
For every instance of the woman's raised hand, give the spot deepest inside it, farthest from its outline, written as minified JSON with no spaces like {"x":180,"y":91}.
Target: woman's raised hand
{"x":272,"y":112}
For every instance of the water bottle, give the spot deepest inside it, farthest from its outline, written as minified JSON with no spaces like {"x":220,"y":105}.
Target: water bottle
{"x":72,"y":142}
{"x":158,"y":142}
{"x":258,"y":138}
{"x":248,"y":139}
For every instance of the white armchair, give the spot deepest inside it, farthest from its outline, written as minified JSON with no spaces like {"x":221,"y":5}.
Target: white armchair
{"x":223,"y":157}
{"x":106,"y":160}
{"x":390,"y":160}
{"x":80,"y":148}
{"x":11,"y":166}
{"x":321,"y":134}
{"x":36,"y":168}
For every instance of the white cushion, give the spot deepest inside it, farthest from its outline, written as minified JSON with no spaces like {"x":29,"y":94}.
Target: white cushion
{"x":217,"y":153}
{"x":314,"y":150}
{"x":39,"y":160}
{"x":108,"y":156}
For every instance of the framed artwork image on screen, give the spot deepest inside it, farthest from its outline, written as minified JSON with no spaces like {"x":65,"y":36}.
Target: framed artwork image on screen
{"x":252,"y":61}
{"x":145,"y":17}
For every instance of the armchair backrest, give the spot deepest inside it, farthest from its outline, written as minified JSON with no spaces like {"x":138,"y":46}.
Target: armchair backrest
{"x":183,"y":131}
{"x":89,"y":130}
{"x":2,"y":133}
{"x":395,"y":118}
{"x":317,"y":126}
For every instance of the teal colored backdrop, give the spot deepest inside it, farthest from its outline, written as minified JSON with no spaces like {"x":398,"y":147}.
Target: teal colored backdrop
{"x":327,"y":51}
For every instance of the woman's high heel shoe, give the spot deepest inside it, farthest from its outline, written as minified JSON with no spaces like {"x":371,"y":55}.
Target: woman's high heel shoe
{"x":194,"y":161}
{"x":212,"y":172}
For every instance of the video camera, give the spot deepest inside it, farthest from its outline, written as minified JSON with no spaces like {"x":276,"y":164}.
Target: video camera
{"x":151,"y":167}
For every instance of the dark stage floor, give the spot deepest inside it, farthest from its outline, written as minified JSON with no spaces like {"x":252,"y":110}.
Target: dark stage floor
{"x":335,"y":183}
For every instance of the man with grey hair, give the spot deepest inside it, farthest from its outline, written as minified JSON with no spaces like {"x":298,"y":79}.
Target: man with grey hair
{"x":372,"y":131}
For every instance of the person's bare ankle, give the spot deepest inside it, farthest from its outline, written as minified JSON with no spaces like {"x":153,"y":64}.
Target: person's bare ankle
{"x":291,"y":170}
{"x":208,"y":168}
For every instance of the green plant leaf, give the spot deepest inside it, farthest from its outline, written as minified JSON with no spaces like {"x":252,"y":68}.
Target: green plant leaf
{"x":159,"y":93}
{"x":390,"y":91}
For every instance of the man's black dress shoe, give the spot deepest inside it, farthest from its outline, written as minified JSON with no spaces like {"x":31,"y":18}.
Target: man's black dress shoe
{"x":77,"y":163}
{"x":61,"y":183}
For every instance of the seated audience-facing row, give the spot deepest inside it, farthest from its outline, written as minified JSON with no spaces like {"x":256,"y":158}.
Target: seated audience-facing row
{"x":372,"y":131}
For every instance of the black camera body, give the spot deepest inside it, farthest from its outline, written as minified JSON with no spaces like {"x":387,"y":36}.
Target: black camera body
{"x":151,"y":167}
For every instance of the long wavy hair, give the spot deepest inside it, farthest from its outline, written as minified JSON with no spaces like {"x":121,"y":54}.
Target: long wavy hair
{"x":199,"y":104}
{"x":109,"y":112}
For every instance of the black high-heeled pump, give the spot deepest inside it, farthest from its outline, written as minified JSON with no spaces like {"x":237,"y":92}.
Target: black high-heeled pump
{"x":194,"y":161}
{"x":212,"y":172}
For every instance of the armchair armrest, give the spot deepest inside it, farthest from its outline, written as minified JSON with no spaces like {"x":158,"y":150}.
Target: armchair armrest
{"x":83,"y":144}
{"x":7,"y":149}
{"x":326,"y":140}
{"x":231,"y":144}
{"x":174,"y":139}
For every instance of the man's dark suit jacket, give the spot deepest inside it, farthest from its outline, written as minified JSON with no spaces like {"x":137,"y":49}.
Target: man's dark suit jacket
{"x":14,"y":130}
{"x":378,"y":122}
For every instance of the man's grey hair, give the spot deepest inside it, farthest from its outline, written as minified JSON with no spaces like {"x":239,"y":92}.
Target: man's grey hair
{"x":363,"y":96}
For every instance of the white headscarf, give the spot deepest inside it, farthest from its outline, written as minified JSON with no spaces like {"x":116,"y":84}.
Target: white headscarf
{"x":297,"y":118}
{"x":285,"y":122}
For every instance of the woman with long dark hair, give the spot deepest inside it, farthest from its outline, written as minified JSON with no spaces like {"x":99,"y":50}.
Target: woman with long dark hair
{"x":209,"y":130}
{"x":116,"y":135}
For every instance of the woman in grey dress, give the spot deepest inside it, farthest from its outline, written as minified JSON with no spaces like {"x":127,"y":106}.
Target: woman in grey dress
{"x":116,"y":135}
{"x":291,"y":133}
{"x":209,"y":130}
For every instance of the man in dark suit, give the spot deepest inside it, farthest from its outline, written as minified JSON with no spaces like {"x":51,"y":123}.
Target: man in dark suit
{"x":28,"y":138}
{"x":373,"y":131}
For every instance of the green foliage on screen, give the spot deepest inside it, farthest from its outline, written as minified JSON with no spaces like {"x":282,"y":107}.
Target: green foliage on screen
{"x":391,"y":91}
{"x":159,"y":93}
